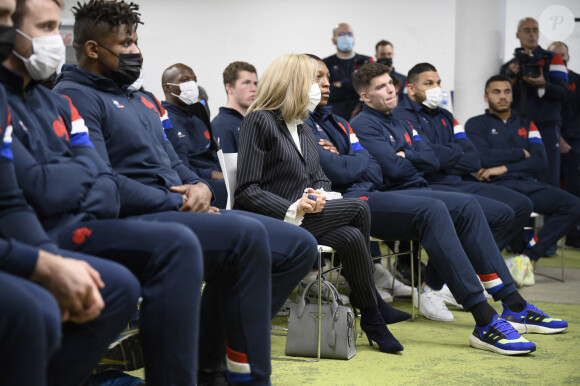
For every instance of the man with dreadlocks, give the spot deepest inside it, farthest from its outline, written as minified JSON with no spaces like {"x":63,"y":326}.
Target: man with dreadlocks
{"x":128,"y":134}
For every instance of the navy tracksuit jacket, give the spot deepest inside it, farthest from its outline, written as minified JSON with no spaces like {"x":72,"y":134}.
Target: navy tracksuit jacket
{"x":190,"y":138}
{"x":37,"y":349}
{"x":76,"y":197}
{"x":413,"y":212}
{"x":506,"y":211}
{"x":226,"y":127}
{"x":239,"y":248}
{"x":501,"y":143}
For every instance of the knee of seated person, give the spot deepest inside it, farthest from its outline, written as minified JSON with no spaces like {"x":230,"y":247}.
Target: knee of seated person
{"x":33,"y":318}
{"x":186,"y":251}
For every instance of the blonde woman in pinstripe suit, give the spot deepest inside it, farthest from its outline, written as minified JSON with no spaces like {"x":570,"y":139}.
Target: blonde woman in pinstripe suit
{"x":279,"y":175}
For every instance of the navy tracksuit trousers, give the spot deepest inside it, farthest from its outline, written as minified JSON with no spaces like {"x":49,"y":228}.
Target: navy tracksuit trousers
{"x":167,"y":260}
{"x":252,"y":263}
{"x":561,"y":208}
{"x":506,"y":211}
{"x":37,"y":349}
{"x":454,"y":233}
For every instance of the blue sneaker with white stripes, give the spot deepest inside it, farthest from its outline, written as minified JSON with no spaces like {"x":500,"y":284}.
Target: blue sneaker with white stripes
{"x":500,"y":337}
{"x":533,"y":320}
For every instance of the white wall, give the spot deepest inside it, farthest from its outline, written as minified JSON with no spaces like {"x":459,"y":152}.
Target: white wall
{"x":207,"y":35}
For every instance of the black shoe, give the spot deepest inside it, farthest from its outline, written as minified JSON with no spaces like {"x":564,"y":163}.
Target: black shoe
{"x":389,"y":314}
{"x":403,"y":273}
{"x":573,"y":243}
{"x":212,"y":377}
{"x":551,"y":251}
{"x":376,"y":330}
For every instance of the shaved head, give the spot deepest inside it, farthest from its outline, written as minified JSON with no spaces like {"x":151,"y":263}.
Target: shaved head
{"x":173,"y":72}
{"x":173,"y":76}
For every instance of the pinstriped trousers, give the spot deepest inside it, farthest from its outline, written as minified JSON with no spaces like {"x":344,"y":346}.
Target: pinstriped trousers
{"x":344,"y":225}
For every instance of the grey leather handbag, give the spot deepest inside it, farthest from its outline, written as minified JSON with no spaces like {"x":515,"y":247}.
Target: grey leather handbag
{"x":336,"y":334}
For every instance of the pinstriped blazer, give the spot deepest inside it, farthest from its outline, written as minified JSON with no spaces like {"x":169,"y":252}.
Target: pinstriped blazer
{"x":272,"y":173}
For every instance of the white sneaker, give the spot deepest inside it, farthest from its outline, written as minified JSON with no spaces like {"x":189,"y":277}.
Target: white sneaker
{"x":518,"y":267}
{"x":446,"y":295}
{"x":432,"y":307}
{"x":385,"y":295}
{"x":384,"y":280}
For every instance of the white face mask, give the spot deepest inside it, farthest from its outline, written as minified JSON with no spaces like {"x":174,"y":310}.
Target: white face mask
{"x":189,"y":92}
{"x":47,"y":55}
{"x":314,"y":97}
{"x":136,"y":85}
{"x":434,"y":97}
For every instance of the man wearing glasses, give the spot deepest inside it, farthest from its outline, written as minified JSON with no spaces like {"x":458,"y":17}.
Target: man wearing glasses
{"x":343,"y":97}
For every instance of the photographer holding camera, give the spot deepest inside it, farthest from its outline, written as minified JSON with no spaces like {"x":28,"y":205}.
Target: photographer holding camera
{"x":540,"y":90}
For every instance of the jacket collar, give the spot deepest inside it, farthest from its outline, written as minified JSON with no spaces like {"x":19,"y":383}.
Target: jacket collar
{"x":284,"y":129}
{"x":230,"y":111}
{"x":378,"y":114}
{"x":77,"y":75}
{"x":512,"y":117}
{"x":13,"y":81}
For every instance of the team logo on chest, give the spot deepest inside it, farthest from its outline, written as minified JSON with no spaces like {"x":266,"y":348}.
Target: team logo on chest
{"x":522,"y":132}
{"x":392,"y":138}
{"x":59,"y":128}
{"x":119,"y":105}
{"x":494,"y":132}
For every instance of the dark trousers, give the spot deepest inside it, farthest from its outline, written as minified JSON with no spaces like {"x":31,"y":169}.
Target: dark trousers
{"x":37,"y":349}
{"x":454,"y":233}
{"x":562,"y":208}
{"x":344,"y":225}
{"x":571,"y":177}
{"x":551,"y":138}
{"x":252,"y":264}
{"x":506,"y":211}
{"x":30,"y":331}
{"x":167,"y":260}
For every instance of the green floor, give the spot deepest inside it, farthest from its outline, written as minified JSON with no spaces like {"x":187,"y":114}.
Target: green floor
{"x":439,"y":353}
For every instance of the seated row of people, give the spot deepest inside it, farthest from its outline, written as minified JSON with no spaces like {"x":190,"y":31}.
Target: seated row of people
{"x":94,"y":161}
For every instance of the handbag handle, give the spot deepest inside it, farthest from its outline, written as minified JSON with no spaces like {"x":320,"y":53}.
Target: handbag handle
{"x":302,"y":300}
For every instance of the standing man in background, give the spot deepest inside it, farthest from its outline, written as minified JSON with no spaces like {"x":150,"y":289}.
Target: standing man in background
{"x":384,"y":52}
{"x":544,"y":90}
{"x":343,"y":96}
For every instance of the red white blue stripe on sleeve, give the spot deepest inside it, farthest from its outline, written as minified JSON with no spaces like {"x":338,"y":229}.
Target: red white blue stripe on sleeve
{"x":79,"y":134}
{"x":558,"y":68}
{"x":458,"y":131}
{"x":534,"y":134}
{"x":416,"y":136}
{"x":354,"y":143}
{"x":165,"y":121}
{"x":491,"y":282}
{"x":238,"y":366}
{"x":6,"y":152}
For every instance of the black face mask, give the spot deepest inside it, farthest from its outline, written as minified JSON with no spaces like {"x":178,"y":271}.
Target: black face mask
{"x":129,"y":67}
{"x":7,"y":36}
{"x":386,"y":61}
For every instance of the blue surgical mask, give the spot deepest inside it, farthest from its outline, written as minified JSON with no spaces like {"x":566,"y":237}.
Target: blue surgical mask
{"x":345,"y":43}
